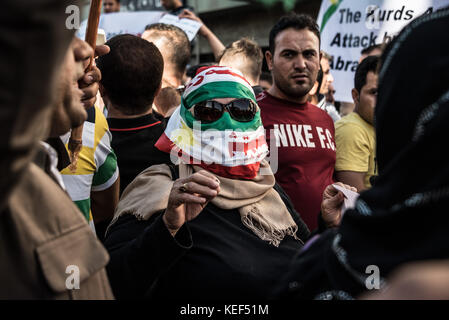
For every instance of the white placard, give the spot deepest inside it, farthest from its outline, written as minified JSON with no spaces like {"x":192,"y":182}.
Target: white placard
{"x":348,"y":26}
{"x":189,"y":26}
{"x":123,"y":22}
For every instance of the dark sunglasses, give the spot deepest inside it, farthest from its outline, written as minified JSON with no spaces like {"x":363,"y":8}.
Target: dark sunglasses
{"x":242,"y":110}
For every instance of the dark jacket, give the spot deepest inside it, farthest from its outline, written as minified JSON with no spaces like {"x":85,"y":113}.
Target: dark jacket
{"x":213,"y":257}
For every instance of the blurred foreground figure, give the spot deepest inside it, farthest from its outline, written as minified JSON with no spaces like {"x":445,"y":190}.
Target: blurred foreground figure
{"x":415,"y":281}
{"x":44,"y":239}
{"x":403,"y":217}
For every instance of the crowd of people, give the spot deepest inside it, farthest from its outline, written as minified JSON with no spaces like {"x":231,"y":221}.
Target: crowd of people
{"x":219,"y":181}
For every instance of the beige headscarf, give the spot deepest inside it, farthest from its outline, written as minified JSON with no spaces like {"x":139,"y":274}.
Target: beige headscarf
{"x":261,"y":208}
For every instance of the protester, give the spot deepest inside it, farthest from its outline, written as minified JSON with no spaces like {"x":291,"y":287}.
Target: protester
{"x":303,"y":133}
{"x":402,"y":218}
{"x":42,"y":232}
{"x":314,"y":96}
{"x":175,"y":48}
{"x":128,"y":88}
{"x":93,"y":184}
{"x":219,"y":229}
{"x":110,"y":6}
{"x":330,"y":94}
{"x":323,"y":90}
{"x":246,"y":56}
{"x":354,"y":134}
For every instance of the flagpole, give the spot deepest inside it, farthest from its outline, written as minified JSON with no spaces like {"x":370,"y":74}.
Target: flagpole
{"x":76,"y":142}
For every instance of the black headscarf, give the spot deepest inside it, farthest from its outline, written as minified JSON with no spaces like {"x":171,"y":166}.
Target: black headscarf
{"x":405,"y":216}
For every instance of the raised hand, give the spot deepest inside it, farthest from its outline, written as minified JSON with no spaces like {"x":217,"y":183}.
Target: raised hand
{"x":188,"y":197}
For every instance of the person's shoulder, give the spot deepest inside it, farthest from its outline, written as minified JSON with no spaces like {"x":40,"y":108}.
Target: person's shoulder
{"x":100,"y":120}
{"x":319,"y":113}
{"x":351,"y":122}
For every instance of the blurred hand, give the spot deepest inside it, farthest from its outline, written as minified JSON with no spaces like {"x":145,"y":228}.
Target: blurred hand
{"x":332,"y":203}
{"x":188,"y":197}
{"x":89,"y":83}
{"x":192,"y":16}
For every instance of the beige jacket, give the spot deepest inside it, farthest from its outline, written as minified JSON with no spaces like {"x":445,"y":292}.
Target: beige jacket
{"x":42,"y":233}
{"x":41,"y":230}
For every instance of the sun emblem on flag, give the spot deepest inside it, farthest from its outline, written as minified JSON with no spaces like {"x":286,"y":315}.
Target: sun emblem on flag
{"x":182,"y":137}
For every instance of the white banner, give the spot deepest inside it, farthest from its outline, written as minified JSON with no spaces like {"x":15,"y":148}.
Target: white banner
{"x":135,"y":23}
{"x":348,"y":26}
{"x":123,"y":22}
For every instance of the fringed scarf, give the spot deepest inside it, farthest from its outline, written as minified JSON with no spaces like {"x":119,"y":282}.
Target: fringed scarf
{"x":260,"y":206}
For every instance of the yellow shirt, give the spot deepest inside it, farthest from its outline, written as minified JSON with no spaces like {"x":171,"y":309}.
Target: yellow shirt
{"x":356,"y":146}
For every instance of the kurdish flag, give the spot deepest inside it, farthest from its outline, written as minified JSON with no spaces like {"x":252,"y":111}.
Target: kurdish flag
{"x":226,"y":147}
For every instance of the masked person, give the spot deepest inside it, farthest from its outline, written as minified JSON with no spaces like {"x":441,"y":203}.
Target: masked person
{"x":216,"y":225}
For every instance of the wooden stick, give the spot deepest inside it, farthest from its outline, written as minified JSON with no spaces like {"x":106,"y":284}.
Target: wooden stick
{"x":76,"y":138}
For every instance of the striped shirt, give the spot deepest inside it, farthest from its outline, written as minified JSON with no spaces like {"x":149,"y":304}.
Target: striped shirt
{"x":97,"y":164}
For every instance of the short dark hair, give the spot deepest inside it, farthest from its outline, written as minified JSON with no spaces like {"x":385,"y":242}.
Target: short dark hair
{"x":319,"y":79}
{"x":131,"y":73}
{"x":192,"y":70}
{"x":369,"y":64}
{"x":179,"y":44}
{"x":295,"y":21}
{"x":371,"y":48}
{"x":250,"y":49}
{"x":266,"y":76}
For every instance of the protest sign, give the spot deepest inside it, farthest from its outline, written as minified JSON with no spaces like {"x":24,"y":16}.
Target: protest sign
{"x":135,"y":23}
{"x":348,"y":26}
{"x":124,"y":22}
{"x":189,"y":26}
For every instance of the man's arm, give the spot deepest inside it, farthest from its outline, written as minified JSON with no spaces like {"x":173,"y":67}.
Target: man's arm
{"x":353,"y":154}
{"x":103,"y":203}
{"x":352,"y":178}
{"x":106,"y":183}
{"x":215,"y":44}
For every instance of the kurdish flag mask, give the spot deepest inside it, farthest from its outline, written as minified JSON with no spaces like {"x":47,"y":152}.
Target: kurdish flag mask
{"x":229,"y":141}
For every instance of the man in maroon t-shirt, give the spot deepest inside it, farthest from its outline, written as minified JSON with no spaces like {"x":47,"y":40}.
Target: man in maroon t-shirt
{"x":303,"y":133}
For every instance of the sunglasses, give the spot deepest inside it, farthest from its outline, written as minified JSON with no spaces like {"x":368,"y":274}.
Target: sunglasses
{"x":242,"y":110}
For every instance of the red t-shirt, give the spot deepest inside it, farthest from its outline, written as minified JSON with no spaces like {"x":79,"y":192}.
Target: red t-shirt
{"x":305,"y":139}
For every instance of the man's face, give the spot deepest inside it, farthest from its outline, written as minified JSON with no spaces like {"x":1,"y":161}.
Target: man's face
{"x":330,"y":94}
{"x":366,"y":100}
{"x":70,"y":112}
{"x":327,"y":76}
{"x":111,"y":6}
{"x":294,"y":64}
